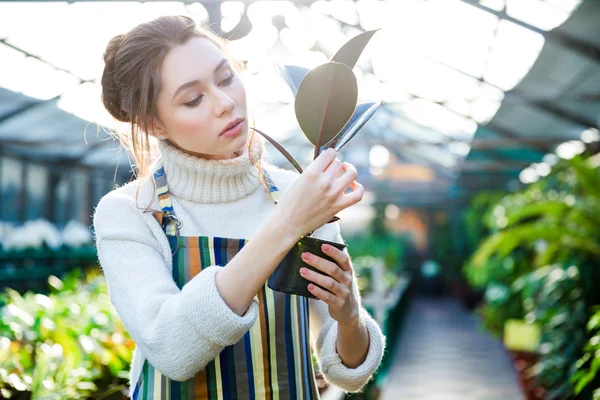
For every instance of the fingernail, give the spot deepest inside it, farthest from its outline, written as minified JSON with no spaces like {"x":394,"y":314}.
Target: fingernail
{"x":326,"y":247}
{"x":303,"y":271}
{"x":305,"y":256}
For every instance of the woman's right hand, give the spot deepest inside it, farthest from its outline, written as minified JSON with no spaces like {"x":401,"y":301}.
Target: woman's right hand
{"x":318,"y":194}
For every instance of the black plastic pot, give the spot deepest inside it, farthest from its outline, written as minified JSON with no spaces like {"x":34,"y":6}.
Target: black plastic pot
{"x":286,"y":277}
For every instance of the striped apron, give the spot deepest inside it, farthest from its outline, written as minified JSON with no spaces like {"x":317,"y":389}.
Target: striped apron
{"x":272,"y":361}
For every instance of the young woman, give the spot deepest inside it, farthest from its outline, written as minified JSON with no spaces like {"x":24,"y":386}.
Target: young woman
{"x":188,"y":246}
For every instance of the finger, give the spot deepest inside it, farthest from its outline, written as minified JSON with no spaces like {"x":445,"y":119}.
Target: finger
{"x":347,"y":177}
{"x":323,"y":160}
{"x":324,"y":265}
{"x":333,"y":169}
{"x":326,"y":282}
{"x":326,"y":296}
{"x":353,"y":197}
{"x":341,"y":258}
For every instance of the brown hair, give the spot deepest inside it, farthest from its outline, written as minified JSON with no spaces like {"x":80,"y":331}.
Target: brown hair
{"x":131,"y":80}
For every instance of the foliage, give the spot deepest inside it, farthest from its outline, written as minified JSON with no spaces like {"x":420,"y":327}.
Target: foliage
{"x":589,"y":364}
{"x":363,"y":267}
{"x":552,"y":297}
{"x":444,"y":248}
{"x":69,"y":344}
{"x":539,"y":231}
{"x":325,"y":100}
{"x":379,"y":242}
{"x":501,"y":303}
{"x":475,"y":228}
{"x":563,"y":221}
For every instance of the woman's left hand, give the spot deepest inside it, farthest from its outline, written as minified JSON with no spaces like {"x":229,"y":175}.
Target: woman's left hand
{"x":337,"y":278}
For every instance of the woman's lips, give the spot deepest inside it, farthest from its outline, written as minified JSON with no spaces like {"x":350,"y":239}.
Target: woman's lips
{"x":234,"y":130}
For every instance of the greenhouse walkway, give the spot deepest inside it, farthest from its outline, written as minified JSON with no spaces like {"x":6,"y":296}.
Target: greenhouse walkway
{"x":443,"y":354}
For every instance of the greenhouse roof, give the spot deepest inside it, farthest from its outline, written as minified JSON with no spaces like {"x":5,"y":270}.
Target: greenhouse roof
{"x":474,"y":92}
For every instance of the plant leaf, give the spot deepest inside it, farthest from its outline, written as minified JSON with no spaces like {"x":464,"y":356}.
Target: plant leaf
{"x":350,"y":52}
{"x":281,"y":149}
{"x":325,"y":102}
{"x":361,"y":116}
{"x":292,"y":75}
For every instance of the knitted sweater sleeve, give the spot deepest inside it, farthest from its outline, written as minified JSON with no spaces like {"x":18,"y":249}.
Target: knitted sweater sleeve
{"x":178,"y":331}
{"x":323,"y":330}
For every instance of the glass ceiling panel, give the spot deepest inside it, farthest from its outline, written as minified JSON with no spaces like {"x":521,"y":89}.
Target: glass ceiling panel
{"x":441,"y":66}
{"x":544,"y":14}
{"x":514,"y":51}
{"x":32,"y":77}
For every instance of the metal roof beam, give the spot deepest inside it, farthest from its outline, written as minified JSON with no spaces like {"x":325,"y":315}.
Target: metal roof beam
{"x":502,"y":144}
{"x":486,"y":166}
{"x":582,"y":47}
{"x":544,"y":105}
{"x":541,"y":147}
{"x":40,"y":102}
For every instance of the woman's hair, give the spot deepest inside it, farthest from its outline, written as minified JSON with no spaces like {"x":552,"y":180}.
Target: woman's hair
{"x":131,"y":80}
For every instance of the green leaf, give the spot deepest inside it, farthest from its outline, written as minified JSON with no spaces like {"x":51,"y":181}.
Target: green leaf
{"x":292,"y":75}
{"x":594,"y":322}
{"x":349,"y":53}
{"x":361,"y":116}
{"x":325,"y":102}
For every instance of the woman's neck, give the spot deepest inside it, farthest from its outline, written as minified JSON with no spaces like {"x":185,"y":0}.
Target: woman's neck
{"x":209,"y":156}
{"x":210,"y":180}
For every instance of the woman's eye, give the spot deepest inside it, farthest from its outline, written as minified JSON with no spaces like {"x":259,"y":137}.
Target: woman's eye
{"x":227,"y":80}
{"x":194,"y":102}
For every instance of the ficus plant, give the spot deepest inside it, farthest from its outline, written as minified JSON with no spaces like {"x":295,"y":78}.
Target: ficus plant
{"x":328,"y":115}
{"x":326,"y":97}
{"x":326,"y":101}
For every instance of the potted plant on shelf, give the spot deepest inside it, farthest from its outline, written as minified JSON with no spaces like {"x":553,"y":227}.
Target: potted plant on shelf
{"x":327,"y":112}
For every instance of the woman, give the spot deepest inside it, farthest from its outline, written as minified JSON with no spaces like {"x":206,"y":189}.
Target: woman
{"x":188,"y":287}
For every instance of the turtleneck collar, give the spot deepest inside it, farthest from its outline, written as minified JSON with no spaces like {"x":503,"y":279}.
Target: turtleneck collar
{"x":210,"y":181}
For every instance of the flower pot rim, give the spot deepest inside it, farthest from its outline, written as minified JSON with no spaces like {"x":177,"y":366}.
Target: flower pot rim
{"x":323,"y":240}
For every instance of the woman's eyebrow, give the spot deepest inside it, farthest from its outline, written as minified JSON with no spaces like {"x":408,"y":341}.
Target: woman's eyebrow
{"x":197,"y":81}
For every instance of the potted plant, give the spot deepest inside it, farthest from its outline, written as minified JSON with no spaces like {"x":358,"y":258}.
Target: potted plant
{"x":327,"y":112}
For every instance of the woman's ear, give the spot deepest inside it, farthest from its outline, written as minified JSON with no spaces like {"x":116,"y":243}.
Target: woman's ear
{"x":156,"y":129}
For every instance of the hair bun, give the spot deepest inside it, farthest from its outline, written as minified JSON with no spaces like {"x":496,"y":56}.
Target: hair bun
{"x":111,"y":96}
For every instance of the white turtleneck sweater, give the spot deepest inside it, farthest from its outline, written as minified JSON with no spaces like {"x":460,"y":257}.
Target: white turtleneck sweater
{"x":213,"y":198}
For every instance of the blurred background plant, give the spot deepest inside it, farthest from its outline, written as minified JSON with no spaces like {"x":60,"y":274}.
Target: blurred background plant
{"x":588,"y":365}
{"x":69,"y":344}
{"x":378,"y":244}
{"x":552,"y":298}
{"x":539,"y":263}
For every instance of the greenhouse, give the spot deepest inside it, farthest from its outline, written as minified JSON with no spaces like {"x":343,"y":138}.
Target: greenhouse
{"x":469,"y":267}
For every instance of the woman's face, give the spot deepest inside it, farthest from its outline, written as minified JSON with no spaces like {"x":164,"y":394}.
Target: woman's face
{"x":200,"y":96}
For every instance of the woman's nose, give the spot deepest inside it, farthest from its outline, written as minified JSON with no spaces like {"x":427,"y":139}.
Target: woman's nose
{"x":223,"y":103}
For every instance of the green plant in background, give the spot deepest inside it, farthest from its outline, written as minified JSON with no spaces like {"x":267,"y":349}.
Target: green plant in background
{"x":363,"y":266}
{"x":501,"y":303}
{"x":443,"y":248}
{"x":391,"y":248}
{"x":560,"y":216}
{"x":589,"y":364}
{"x":476,"y":228}
{"x":377,"y":243}
{"x":67,"y":345}
{"x":552,"y":298}
{"x":553,"y":222}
